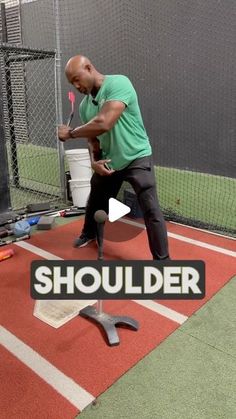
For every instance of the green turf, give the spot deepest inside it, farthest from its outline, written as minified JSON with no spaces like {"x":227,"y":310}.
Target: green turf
{"x":39,"y":175}
{"x":39,"y":164}
{"x":210,"y":199}
{"x":185,"y":194}
{"x":192,"y":374}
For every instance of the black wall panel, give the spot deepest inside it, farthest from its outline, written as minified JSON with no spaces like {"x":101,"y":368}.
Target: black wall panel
{"x":180,"y":55}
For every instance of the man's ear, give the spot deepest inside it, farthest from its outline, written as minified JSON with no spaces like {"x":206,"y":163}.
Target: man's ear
{"x":88,"y":67}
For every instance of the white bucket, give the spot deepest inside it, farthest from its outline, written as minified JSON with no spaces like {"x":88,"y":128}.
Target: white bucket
{"x":80,"y":190}
{"x":79,"y":163}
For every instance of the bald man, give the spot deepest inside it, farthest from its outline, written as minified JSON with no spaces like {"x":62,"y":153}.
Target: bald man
{"x":119,"y":148}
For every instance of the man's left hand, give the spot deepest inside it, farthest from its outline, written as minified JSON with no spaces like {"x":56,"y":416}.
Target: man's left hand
{"x":64,"y":132}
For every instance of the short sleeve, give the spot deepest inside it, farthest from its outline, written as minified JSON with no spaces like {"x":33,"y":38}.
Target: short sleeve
{"x":120,"y":89}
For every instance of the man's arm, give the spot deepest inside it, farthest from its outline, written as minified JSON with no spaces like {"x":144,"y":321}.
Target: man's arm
{"x":101,"y":123}
{"x":98,"y":165}
{"x":94,"y":149}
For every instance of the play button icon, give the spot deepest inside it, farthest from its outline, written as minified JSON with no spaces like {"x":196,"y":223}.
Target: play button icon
{"x":125,"y":229}
{"x":116,"y":210}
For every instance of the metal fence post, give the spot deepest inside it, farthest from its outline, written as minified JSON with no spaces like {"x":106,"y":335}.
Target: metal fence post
{"x":14,"y":159}
{"x":5,"y":201}
{"x":58,"y":94}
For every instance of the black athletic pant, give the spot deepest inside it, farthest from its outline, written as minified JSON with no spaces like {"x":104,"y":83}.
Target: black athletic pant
{"x":140,"y":174}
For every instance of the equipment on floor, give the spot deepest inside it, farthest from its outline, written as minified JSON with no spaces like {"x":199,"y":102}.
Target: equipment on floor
{"x":5,"y":242}
{"x":41,"y":206}
{"x":4,"y":232}
{"x":6,"y":254}
{"x":21,"y":228}
{"x":68,"y":212}
{"x":8,"y":218}
{"x":71,"y":212}
{"x":33,"y":220}
{"x":45,"y":222}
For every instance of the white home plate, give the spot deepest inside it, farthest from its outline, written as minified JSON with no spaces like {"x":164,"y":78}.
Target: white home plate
{"x":58,"y":312}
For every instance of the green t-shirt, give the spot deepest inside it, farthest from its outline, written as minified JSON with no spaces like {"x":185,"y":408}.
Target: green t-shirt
{"x":128,"y":139}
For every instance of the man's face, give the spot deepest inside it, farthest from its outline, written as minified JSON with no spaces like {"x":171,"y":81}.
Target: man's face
{"x":81,"y":79}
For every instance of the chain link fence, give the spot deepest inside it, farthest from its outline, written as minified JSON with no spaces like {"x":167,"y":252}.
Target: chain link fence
{"x":29,"y":106}
{"x":29,"y":115}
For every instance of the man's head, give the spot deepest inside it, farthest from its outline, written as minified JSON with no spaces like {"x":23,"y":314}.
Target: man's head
{"x":82,"y":74}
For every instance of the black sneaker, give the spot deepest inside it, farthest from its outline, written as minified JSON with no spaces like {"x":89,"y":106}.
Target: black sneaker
{"x":82,"y":241}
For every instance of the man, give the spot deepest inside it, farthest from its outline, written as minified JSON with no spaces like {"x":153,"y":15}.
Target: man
{"x":119,"y":148}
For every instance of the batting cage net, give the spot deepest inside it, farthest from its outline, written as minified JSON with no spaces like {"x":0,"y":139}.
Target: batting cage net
{"x":29,"y":113}
{"x":28,"y":91}
{"x":181,"y":59}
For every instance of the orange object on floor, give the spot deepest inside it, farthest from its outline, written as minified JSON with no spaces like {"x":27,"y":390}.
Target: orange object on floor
{"x":6,"y":254}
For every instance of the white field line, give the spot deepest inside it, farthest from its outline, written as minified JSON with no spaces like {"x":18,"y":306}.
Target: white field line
{"x":162,"y":310}
{"x":64,"y":385}
{"x":37,"y":250}
{"x":204,"y":230}
{"x":188,"y":240}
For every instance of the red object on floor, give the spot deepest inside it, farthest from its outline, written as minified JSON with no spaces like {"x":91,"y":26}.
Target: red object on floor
{"x":6,"y":254}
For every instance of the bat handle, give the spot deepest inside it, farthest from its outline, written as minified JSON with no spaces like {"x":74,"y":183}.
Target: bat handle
{"x":69,"y":120}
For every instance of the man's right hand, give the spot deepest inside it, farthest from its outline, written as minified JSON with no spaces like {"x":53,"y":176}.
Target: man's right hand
{"x":100,"y":169}
{"x":64,"y":132}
